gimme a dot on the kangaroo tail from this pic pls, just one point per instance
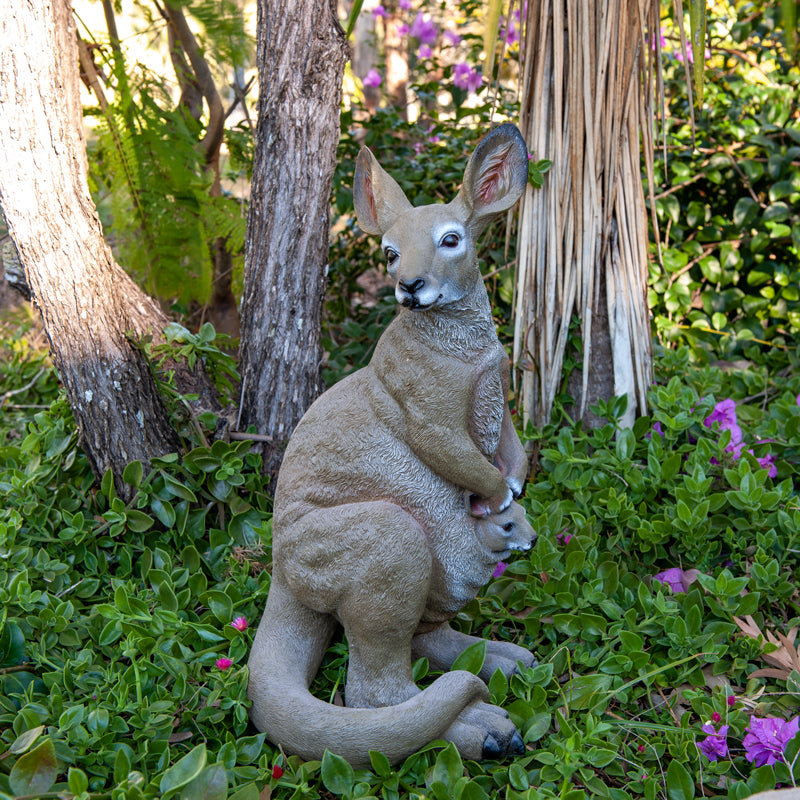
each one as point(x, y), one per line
point(286, 654)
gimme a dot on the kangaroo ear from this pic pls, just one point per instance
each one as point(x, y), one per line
point(496, 175)
point(378, 198)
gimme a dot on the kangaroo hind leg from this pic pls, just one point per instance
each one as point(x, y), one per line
point(368, 564)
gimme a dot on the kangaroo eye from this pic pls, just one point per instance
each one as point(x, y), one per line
point(391, 255)
point(451, 240)
point(508, 527)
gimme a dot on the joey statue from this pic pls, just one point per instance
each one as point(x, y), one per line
point(394, 501)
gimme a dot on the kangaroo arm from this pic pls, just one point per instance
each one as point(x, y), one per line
point(510, 456)
point(451, 453)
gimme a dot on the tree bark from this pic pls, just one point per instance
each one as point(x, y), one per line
point(87, 302)
point(301, 54)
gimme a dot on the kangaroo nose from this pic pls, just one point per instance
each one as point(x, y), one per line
point(412, 287)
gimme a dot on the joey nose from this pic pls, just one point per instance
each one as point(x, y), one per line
point(413, 287)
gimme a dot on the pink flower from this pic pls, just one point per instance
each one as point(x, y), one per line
point(466, 77)
point(223, 663)
point(240, 623)
point(424, 29)
point(715, 745)
point(731, 700)
point(662, 40)
point(277, 772)
point(563, 538)
point(405, 5)
point(641, 748)
point(767, 738)
point(716, 717)
point(499, 569)
point(677, 579)
point(424, 51)
point(453, 38)
point(372, 78)
point(379, 11)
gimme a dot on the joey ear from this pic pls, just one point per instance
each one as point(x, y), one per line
point(378, 198)
point(496, 175)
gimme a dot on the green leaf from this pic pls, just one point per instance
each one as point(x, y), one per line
point(35, 772)
point(680, 785)
point(448, 767)
point(470, 790)
point(210, 784)
point(380, 763)
point(354, 12)
point(25, 740)
point(132, 474)
point(220, 605)
point(472, 658)
point(337, 775)
point(185, 770)
point(77, 781)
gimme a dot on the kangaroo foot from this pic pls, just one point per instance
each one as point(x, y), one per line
point(504, 656)
point(484, 731)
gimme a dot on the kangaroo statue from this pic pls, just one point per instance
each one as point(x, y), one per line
point(394, 501)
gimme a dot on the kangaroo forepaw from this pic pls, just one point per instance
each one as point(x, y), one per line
point(484, 731)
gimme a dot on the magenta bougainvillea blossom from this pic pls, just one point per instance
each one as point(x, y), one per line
point(240, 623)
point(766, 739)
point(223, 663)
point(424, 29)
point(715, 745)
point(499, 569)
point(372, 78)
point(467, 77)
point(405, 5)
point(679, 580)
point(452, 37)
point(424, 51)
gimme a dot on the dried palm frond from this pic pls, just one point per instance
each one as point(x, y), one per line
point(785, 659)
point(589, 99)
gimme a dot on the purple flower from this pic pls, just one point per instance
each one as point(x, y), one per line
point(715, 745)
point(767, 462)
point(656, 425)
point(424, 51)
point(424, 29)
point(662, 40)
point(677, 579)
point(767, 738)
point(240, 623)
point(372, 78)
point(499, 569)
point(402, 30)
point(223, 663)
point(405, 5)
point(466, 77)
point(512, 33)
point(563, 538)
point(453, 38)
point(724, 413)
point(379, 11)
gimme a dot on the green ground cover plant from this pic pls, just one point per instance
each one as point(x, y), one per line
point(661, 600)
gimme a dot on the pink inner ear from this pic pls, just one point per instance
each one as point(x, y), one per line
point(494, 175)
point(367, 179)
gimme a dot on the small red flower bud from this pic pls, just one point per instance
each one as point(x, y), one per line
point(277, 772)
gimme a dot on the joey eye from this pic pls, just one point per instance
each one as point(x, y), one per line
point(451, 240)
point(508, 527)
point(391, 255)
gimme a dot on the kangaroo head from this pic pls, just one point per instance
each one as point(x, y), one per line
point(430, 250)
point(508, 530)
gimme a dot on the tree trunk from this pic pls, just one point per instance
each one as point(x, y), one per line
point(588, 105)
point(301, 53)
point(87, 302)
